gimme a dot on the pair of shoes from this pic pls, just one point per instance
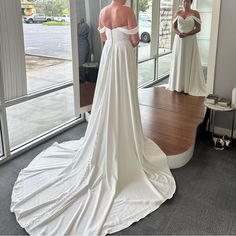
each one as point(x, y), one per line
point(222, 143)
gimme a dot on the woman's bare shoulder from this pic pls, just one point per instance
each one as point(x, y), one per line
point(127, 9)
point(196, 13)
point(179, 13)
point(102, 11)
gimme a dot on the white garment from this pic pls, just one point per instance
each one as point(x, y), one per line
point(110, 178)
point(186, 73)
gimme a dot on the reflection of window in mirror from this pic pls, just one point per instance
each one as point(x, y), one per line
point(105, 3)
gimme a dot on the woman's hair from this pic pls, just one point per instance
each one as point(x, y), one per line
point(191, 1)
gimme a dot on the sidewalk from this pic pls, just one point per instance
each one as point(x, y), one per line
point(31, 118)
point(43, 72)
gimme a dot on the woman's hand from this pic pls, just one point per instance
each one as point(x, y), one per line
point(183, 35)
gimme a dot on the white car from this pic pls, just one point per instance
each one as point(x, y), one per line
point(37, 18)
point(64, 18)
point(145, 17)
point(145, 28)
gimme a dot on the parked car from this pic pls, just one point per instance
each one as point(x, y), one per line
point(64, 18)
point(37, 18)
point(145, 28)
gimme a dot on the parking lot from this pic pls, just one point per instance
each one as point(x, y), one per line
point(49, 41)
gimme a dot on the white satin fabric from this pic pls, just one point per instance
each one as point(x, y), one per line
point(110, 178)
point(186, 73)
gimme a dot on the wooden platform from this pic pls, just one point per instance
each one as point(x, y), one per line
point(171, 119)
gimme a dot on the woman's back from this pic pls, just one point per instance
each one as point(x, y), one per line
point(117, 15)
point(114, 16)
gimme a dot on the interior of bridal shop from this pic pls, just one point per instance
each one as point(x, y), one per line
point(50, 54)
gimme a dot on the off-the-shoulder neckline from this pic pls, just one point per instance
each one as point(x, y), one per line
point(186, 16)
point(120, 27)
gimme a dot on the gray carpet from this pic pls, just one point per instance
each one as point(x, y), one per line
point(204, 203)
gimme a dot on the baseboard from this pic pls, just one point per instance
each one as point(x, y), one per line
point(222, 131)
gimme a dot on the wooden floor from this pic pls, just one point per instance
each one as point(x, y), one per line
point(170, 119)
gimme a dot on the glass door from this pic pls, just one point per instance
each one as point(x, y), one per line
point(165, 37)
point(146, 57)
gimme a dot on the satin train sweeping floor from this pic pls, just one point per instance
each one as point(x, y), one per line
point(204, 190)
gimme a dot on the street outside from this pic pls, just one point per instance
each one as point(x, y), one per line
point(50, 41)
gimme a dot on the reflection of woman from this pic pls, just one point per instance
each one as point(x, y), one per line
point(186, 74)
point(83, 42)
point(113, 176)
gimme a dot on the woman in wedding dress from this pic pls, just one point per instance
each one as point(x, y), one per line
point(186, 73)
point(112, 177)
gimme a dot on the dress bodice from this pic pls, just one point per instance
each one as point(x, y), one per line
point(187, 24)
point(118, 34)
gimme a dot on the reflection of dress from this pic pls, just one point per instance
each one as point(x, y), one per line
point(186, 74)
point(83, 43)
point(110, 178)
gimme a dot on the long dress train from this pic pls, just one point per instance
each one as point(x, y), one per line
point(186, 73)
point(112, 177)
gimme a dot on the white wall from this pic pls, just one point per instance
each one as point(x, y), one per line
point(225, 71)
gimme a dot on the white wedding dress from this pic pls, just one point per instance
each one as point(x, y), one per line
point(186, 73)
point(110, 178)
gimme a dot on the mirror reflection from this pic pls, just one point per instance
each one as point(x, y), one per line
point(89, 48)
point(156, 37)
point(156, 40)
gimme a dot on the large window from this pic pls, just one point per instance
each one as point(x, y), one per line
point(48, 63)
point(39, 74)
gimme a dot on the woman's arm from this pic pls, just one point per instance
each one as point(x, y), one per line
point(132, 23)
point(175, 25)
point(102, 35)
